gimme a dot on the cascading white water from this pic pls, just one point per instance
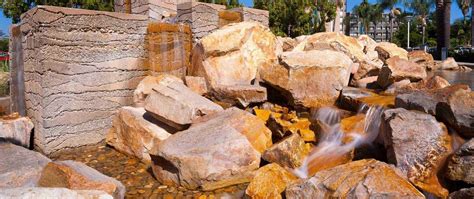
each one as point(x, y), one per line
point(331, 145)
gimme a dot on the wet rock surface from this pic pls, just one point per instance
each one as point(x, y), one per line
point(458, 112)
point(20, 167)
point(418, 145)
point(461, 164)
point(360, 179)
point(78, 176)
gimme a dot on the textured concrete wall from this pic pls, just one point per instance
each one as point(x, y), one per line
point(202, 17)
point(250, 14)
point(169, 48)
point(80, 66)
point(156, 10)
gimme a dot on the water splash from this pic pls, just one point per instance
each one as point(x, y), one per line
point(334, 143)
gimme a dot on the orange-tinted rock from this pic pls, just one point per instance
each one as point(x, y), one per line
point(434, 82)
point(309, 78)
point(289, 152)
point(146, 86)
point(269, 182)
point(135, 134)
point(360, 179)
point(423, 58)
point(388, 50)
point(232, 55)
point(418, 145)
point(218, 150)
point(397, 69)
point(78, 176)
point(240, 94)
point(355, 99)
point(196, 84)
point(287, 43)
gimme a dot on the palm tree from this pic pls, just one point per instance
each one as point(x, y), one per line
point(464, 7)
point(422, 9)
point(363, 12)
point(375, 16)
point(443, 13)
point(390, 4)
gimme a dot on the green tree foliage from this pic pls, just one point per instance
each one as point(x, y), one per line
point(3, 42)
point(460, 33)
point(363, 12)
point(298, 17)
point(14, 8)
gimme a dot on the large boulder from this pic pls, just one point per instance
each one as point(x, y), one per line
point(426, 100)
point(78, 176)
point(146, 86)
point(287, 43)
point(462, 193)
point(196, 84)
point(16, 130)
point(269, 182)
point(135, 133)
point(289, 152)
point(418, 145)
point(458, 112)
point(461, 164)
point(177, 105)
point(434, 82)
point(360, 179)
point(335, 42)
point(388, 50)
point(449, 64)
point(218, 150)
point(397, 69)
point(20, 167)
point(309, 78)
point(40, 192)
point(423, 58)
point(232, 56)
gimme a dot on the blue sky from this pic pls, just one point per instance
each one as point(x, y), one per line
point(455, 12)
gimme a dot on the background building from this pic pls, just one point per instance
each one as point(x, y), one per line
point(380, 33)
point(337, 25)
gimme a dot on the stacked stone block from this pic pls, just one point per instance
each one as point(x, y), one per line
point(79, 67)
point(156, 10)
point(202, 17)
point(169, 48)
point(250, 14)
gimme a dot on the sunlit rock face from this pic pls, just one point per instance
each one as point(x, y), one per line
point(309, 78)
point(360, 179)
point(218, 150)
point(397, 69)
point(269, 182)
point(388, 50)
point(458, 112)
point(423, 58)
point(177, 105)
point(145, 87)
point(418, 145)
point(232, 56)
point(135, 133)
point(78, 176)
point(461, 165)
point(20, 167)
point(16, 129)
point(41, 192)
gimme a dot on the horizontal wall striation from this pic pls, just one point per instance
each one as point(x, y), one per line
point(80, 66)
point(250, 14)
point(156, 10)
point(202, 17)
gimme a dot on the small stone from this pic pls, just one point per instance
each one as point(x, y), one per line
point(16, 130)
point(269, 182)
point(289, 152)
point(397, 69)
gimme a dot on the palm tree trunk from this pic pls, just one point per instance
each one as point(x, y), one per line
point(447, 23)
point(439, 22)
point(472, 23)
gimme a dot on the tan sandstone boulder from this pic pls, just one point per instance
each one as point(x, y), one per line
point(218, 150)
point(146, 86)
point(423, 58)
point(397, 69)
point(449, 64)
point(232, 56)
point(41, 192)
point(20, 167)
point(177, 105)
point(309, 78)
point(366, 178)
point(78, 176)
point(388, 50)
point(196, 84)
point(135, 133)
point(289, 152)
point(269, 182)
point(418, 145)
point(16, 130)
